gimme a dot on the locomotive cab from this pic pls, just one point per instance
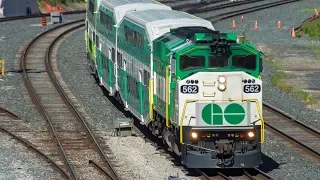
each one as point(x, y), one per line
point(217, 96)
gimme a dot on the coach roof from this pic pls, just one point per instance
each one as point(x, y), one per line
point(121, 7)
point(158, 21)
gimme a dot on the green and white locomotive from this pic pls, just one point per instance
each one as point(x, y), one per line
point(197, 88)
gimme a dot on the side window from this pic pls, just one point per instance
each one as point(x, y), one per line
point(146, 77)
point(113, 55)
point(94, 36)
point(110, 57)
point(119, 59)
point(134, 37)
point(173, 65)
point(244, 61)
point(105, 62)
point(106, 20)
point(91, 7)
point(124, 64)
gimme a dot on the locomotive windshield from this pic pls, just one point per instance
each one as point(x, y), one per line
point(218, 61)
point(244, 61)
point(191, 62)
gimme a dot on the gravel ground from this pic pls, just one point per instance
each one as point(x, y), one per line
point(14, 96)
point(283, 163)
point(18, 162)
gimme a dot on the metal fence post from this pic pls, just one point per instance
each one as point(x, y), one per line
point(2, 67)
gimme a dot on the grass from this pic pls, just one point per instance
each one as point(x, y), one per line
point(309, 10)
point(312, 29)
point(316, 50)
point(279, 79)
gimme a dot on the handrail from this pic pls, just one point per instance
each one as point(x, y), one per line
point(151, 99)
point(193, 100)
point(167, 96)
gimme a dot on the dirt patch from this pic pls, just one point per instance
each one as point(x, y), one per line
point(298, 71)
point(48, 8)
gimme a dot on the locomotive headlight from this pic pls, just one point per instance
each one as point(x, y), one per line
point(222, 79)
point(194, 135)
point(222, 87)
point(251, 134)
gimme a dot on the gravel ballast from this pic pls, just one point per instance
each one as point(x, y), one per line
point(14, 96)
point(18, 162)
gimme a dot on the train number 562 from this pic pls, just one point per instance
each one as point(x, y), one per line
point(252, 88)
point(190, 89)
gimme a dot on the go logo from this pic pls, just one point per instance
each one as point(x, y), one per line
point(212, 114)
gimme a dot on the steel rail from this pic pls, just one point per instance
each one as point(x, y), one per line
point(193, 5)
point(65, 97)
point(100, 169)
point(13, 18)
point(11, 114)
point(265, 175)
point(30, 146)
point(33, 93)
point(295, 123)
point(222, 6)
point(248, 10)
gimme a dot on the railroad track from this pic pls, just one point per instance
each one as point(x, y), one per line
point(222, 6)
point(225, 174)
point(5, 112)
point(249, 10)
point(38, 15)
point(189, 6)
point(301, 137)
point(77, 144)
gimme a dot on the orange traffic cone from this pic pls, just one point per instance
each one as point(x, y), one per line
point(234, 24)
point(256, 25)
point(316, 11)
point(279, 25)
point(241, 19)
point(44, 21)
point(293, 34)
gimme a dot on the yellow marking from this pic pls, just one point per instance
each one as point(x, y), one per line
point(209, 94)
point(259, 77)
point(2, 67)
point(192, 49)
point(151, 99)
point(192, 100)
point(209, 83)
point(167, 96)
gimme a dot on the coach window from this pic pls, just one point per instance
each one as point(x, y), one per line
point(218, 61)
point(113, 55)
point(119, 59)
point(146, 77)
point(91, 7)
point(244, 61)
point(106, 20)
point(191, 62)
